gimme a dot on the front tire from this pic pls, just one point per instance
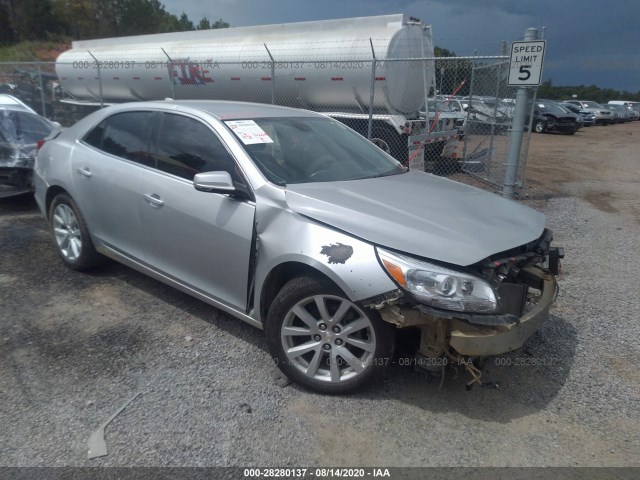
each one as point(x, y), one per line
point(323, 341)
point(539, 127)
point(71, 234)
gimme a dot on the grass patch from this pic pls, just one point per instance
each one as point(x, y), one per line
point(44, 50)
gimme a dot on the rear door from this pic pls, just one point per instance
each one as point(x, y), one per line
point(107, 174)
point(202, 239)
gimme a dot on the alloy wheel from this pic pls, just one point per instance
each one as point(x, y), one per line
point(67, 232)
point(328, 338)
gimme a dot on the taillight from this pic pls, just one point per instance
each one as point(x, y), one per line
point(39, 145)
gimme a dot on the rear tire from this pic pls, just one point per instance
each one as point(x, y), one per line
point(323, 341)
point(71, 234)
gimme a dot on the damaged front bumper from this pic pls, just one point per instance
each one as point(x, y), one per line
point(482, 340)
point(477, 335)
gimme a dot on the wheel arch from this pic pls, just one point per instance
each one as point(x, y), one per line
point(52, 192)
point(280, 275)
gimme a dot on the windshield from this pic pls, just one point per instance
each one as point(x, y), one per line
point(593, 105)
point(305, 150)
point(550, 107)
point(444, 107)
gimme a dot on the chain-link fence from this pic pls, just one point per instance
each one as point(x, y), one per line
point(443, 115)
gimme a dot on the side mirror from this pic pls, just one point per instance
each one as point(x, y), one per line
point(216, 182)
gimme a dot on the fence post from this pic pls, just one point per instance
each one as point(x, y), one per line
point(273, 76)
point(467, 128)
point(503, 52)
point(372, 90)
point(173, 86)
point(525, 156)
point(99, 78)
point(517, 131)
point(42, 103)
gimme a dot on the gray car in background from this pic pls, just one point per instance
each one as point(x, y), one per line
point(20, 130)
point(295, 224)
point(604, 115)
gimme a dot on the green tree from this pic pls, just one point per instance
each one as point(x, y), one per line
point(7, 28)
point(450, 74)
point(443, 52)
point(220, 24)
point(86, 19)
point(204, 24)
point(184, 23)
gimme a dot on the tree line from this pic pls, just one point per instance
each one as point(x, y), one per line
point(588, 92)
point(449, 74)
point(22, 20)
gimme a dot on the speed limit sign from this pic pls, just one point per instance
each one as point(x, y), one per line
point(525, 67)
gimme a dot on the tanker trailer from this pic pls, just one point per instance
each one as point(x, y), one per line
point(325, 66)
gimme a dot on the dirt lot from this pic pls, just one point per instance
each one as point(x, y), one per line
point(74, 347)
point(600, 165)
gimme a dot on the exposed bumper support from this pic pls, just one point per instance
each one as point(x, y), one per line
point(483, 340)
point(475, 340)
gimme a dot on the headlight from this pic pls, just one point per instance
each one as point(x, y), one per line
point(438, 286)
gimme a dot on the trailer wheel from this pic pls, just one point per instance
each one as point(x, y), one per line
point(390, 141)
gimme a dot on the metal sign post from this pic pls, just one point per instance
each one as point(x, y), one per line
point(525, 70)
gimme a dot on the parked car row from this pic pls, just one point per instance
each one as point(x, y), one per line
point(624, 114)
point(548, 115)
point(479, 110)
point(571, 115)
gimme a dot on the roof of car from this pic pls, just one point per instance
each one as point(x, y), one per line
point(224, 110)
point(12, 103)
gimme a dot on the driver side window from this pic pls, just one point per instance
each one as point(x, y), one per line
point(186, 147)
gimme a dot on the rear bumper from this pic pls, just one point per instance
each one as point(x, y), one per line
point(15, 181)
point(563, 127)
point(480, 340)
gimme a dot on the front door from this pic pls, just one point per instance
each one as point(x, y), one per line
point(202, 239)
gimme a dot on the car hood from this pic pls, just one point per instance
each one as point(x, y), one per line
point(420, 214)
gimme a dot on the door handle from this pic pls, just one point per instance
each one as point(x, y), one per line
point(85, 172)
point(154, 200)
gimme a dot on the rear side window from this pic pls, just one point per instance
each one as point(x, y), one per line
point(125, 135)
point(186, 147)
point(33, 128)
point(94, 138)
point(23, 127)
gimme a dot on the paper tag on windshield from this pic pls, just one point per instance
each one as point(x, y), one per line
point(248, 131)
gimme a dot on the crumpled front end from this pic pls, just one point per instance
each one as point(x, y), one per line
point(525, 287)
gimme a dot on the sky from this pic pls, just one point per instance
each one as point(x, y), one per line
point(588, 41)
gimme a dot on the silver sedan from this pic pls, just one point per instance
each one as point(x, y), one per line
point(292, 222)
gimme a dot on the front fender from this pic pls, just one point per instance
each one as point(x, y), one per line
point(349, 262)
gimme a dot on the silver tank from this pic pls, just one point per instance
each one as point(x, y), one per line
point(322, 65)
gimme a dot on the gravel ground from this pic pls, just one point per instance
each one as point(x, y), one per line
point(75, 347)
